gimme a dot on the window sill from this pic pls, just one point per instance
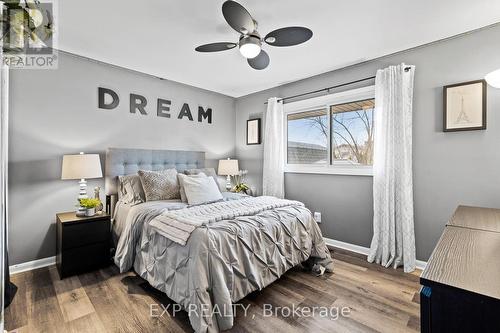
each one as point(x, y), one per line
point(330, 170)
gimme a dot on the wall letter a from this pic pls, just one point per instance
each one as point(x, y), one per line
point(185, 111)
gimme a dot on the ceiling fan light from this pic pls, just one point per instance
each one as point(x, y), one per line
point(493, 78)
point(250, 47)
point(250, 51)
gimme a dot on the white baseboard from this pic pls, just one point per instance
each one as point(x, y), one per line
point(362, 250)
point(30, 265)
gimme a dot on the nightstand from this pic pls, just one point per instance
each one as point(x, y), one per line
point(83, 243)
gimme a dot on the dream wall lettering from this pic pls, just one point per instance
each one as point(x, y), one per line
point(109, 100)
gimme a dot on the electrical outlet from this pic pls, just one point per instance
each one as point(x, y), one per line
point(317, 217)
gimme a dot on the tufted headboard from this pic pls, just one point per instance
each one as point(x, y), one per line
point(123, 161)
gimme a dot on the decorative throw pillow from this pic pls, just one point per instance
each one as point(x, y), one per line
point(130, 190)
point(181, 178)
point(160, 185)
point(201, 190)
point(210, 172)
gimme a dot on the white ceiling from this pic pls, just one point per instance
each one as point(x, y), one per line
point(158, 37)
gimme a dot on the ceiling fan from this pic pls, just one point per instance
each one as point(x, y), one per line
point(250, 42)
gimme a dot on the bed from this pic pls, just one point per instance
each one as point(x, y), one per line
point(222, 261)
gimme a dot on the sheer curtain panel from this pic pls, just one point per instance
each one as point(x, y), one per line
point(393, 242)
point(274, 160)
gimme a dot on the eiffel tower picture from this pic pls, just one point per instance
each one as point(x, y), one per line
point(464, 106)
point(462, 116)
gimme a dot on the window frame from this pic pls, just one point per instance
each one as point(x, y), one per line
point(325, 102)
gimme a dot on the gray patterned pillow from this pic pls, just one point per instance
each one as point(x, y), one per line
point(130, 190)
point(210, 172)
point(160, 185)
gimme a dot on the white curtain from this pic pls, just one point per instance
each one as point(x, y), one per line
point(4, 123)
point(273, 170)
point(393, 242)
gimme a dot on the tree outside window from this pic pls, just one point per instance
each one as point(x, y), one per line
point(351, 126)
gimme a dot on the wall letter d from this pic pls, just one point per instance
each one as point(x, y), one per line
point(115, 100)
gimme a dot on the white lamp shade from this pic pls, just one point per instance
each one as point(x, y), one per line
point(493, 78)
point(228, 167)
point(82, 166)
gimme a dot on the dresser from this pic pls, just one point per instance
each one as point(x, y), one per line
point(461, 282)
point(83, 243)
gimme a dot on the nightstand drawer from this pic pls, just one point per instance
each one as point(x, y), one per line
point(85, 258)
point(89, 232)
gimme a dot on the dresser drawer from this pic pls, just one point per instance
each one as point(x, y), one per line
point(80, 234)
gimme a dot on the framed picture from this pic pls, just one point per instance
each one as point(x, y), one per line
point(253, 132)
point(464, 106)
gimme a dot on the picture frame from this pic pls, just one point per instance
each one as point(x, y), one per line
point(254, 131)
point(464, 106)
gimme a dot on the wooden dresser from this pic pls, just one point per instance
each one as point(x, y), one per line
point(461, 282)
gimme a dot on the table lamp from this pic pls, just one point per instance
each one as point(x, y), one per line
point(228, 168)
point(81, 166)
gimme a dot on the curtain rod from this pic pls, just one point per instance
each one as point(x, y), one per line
point(332, 87)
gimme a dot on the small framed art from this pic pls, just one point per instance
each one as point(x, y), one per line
point(464, 106)
point(253, 132)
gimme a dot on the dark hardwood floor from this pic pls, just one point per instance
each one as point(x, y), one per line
point(379, 300)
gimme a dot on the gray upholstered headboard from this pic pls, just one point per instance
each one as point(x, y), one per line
point(123, 161)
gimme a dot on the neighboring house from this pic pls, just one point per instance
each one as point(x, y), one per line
point(310, 153)
point(306, 153)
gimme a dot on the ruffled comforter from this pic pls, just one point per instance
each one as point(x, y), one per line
point(223, 261)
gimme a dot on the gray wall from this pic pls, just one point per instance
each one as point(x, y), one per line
point(54, 112)
point(449, 168)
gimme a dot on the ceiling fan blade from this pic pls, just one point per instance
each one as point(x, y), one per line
point(215, 47)
point(238, 17)
point(259, 62)
point(288, 36)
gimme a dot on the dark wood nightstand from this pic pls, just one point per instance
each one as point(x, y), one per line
point(83, 243)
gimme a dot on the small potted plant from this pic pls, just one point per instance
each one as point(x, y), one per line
point(89, 204)
point(241, 186)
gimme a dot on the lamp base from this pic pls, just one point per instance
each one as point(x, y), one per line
point(228, 183)
point(81, 211)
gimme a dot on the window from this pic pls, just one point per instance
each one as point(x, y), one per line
point(352, 132)
point(307, 137)
point(331, 134)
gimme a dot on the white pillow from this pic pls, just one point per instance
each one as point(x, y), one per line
point(181, 178)
point(201, 190)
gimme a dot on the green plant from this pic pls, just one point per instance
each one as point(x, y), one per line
point(241, 187)
point(89, 203)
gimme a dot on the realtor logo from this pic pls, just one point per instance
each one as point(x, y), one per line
point(28, 34)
